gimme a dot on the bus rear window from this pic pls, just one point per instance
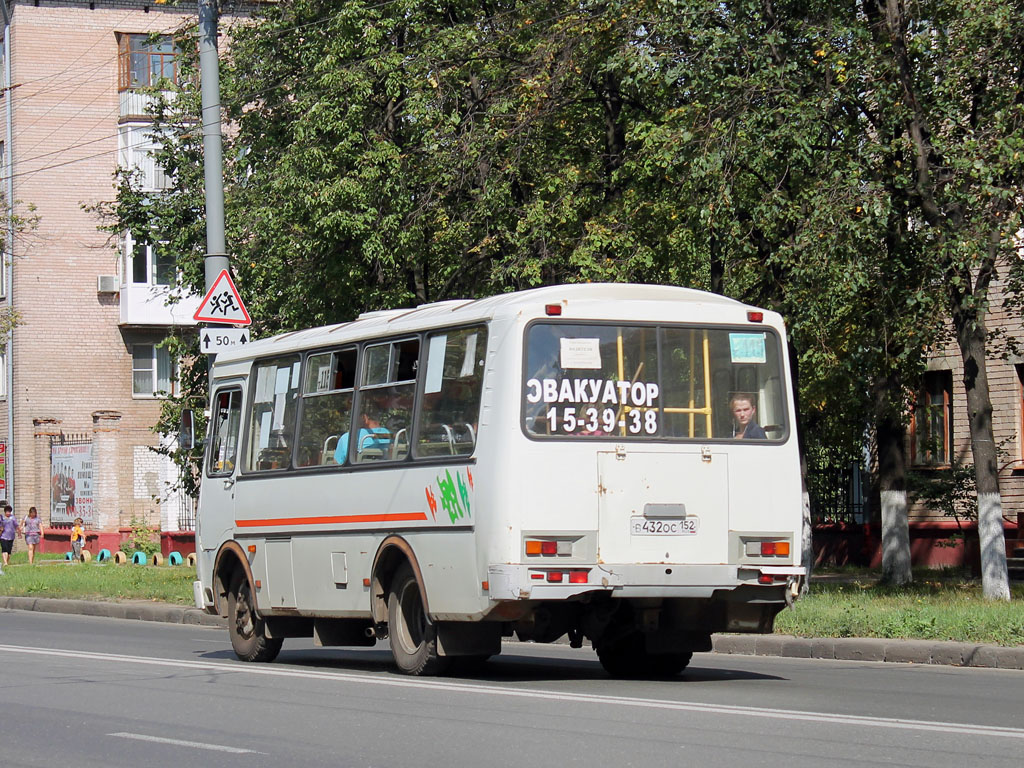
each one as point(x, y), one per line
point(653, 382)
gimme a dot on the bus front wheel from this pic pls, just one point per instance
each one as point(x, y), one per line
point(412, 635)
point(246, 629)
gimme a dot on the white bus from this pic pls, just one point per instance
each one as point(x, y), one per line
point(615, 463)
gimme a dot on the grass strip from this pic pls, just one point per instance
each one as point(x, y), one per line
point(940, 609)
point(98, 581)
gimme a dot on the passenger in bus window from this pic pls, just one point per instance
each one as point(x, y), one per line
point(744, 414)
point(372, 436)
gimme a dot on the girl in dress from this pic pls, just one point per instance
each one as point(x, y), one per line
point(32, 530)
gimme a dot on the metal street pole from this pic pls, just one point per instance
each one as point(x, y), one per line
point(209, 74)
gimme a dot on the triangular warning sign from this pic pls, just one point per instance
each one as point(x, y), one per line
point(222, 304)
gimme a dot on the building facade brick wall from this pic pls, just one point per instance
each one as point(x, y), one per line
point(71, 356)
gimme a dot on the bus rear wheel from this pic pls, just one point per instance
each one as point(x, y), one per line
point(412, 635)
point(627, 657)
point(246, 629)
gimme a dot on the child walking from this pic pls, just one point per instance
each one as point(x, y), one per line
point(32, 530)
point(8, 530)
point(77, 538)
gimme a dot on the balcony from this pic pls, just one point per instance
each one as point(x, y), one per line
point(146, 305)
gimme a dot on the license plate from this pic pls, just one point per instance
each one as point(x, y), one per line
point(683, 526)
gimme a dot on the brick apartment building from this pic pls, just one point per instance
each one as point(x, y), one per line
point(82, 372)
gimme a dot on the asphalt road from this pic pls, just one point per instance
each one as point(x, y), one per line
point(88, 691)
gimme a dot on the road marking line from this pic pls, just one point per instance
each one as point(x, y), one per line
point(180, 743)
point(534, 693)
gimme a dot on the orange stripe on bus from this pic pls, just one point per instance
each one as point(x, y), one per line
point(381, 518)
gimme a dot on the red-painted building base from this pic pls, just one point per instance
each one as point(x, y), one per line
point(932, 544)
point(59, 540)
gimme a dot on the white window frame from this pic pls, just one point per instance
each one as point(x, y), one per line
point(3, 375)
point(128, 278)
point(136, 144)
point(156, 352)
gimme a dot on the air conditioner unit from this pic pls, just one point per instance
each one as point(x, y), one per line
point(107, 284)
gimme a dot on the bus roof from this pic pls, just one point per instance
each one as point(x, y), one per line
point(590, 298)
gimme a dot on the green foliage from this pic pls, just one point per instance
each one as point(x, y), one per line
point(143, 539)
point(849, 170)
point(950, 491)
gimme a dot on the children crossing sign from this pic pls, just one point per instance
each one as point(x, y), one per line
point(222, 304)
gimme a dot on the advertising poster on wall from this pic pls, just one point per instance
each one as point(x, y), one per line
point(71, 483)
point(3, 470)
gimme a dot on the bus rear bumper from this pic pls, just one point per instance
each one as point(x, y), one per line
point(530, 582)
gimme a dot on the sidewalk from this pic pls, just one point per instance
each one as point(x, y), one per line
point(843, 648)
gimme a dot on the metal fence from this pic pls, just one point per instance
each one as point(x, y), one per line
point(839, 493)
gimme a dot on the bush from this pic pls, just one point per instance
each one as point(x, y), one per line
point(141, 540)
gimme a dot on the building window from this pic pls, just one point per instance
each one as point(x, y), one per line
point(137, 147)
point(1020, 410)
point(3, 174)
point(153, 373)
point(3, 375)
point(147, 263)
point(145, 61)
point(931, 427)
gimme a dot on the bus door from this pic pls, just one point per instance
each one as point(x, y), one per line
point(663, 507)
point(222, 456)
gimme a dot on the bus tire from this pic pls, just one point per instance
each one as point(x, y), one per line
point(246, 629)
point(413, 636)
point(627, 657)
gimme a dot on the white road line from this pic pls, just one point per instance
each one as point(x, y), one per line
point(180, 743)
point(532, 693)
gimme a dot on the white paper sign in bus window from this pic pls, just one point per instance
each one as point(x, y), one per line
point(747, 347)
point(580, 353)
point(435, 363)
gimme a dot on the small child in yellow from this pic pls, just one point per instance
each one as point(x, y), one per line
point(77, 538)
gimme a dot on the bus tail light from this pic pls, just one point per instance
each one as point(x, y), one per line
point(774, 548)
point(547, 547)
point(765, 578)
point(755, 317)
point(552, 310)
point(579, 577)
point(555, 576)
point(767, 548)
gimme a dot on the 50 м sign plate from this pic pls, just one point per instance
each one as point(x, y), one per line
point(214, 340)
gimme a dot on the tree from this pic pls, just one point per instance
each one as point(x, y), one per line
point(817, 158)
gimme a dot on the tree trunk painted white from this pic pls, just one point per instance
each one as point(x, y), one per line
point(892, 485)
point(895, 537)
point(994, 576)
point(806, 543)
point(969, 322)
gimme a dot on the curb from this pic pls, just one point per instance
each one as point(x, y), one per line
point(139, 610)
point(873, 649)
point(786, 646)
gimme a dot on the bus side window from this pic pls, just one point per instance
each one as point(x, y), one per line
point(326, 406)
point(272, 420)
point(447, 421)
point(386, 394)
point(227, 416)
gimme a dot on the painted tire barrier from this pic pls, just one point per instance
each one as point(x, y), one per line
point(191, 559)
point(174, 558)
point(69, 556)
point(138, 558)
point(86, 556)
point(120, 558)
point(158, 559)
point(102, 556)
